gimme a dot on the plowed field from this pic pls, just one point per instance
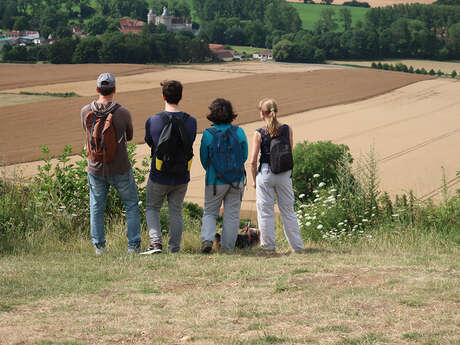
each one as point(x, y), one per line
point(56, 123)
point(14, 76)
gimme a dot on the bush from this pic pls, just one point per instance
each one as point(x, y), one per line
point(320, 158)
point(454, 74)
point(56, 202)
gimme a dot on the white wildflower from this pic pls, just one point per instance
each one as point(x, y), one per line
point(301, 195)
point(395, 215)
point(319, 227)
point(321, 184)
point(316, 175)
point(308, 223)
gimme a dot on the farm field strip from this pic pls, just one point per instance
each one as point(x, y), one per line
point(319, 88)
point(144, 81)
point(444, 66)
point(13, 76)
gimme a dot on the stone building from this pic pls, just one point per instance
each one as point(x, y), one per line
point(172, 23)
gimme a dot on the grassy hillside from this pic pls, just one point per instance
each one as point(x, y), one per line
point(309, 13)
point(329, 295)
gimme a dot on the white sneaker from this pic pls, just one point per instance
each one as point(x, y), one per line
point(155, 248)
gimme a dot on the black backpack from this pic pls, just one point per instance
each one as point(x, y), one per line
point(281, 158)
point(174, 152)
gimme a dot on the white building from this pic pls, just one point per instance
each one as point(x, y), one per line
point(172, 23)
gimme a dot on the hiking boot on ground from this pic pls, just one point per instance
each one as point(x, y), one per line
point(155, 248)
point(100, 250)
point(206, 247)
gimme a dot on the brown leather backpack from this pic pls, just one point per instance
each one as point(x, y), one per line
point(101, 139)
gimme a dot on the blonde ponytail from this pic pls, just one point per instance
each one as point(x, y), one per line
point(269, 108)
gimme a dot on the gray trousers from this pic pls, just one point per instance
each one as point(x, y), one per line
point(231, 198)
point(156, 194)
point(267, 186)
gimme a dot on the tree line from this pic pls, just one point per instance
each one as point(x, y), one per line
point(93, 16)
point(154, 44)
point(403, 31)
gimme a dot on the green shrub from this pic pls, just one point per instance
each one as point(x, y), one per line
point(431, 72)
point(401, 67)
point(320, 158)
point(454, 74)
point(411, 69)
point(57, 200)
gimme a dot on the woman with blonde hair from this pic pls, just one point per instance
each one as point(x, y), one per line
point(273, 177)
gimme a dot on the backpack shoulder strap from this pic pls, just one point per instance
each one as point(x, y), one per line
point(115, 108)
point(165, 117)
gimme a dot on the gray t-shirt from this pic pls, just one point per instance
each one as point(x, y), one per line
point(124, 131)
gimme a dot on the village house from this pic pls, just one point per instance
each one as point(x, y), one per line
point(20, 37)
point(263, 55)
point(222, 53)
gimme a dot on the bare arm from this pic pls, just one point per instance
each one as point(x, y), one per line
point(254, 154)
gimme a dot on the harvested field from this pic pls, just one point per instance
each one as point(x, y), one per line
point(444, 66)
point(57, 122)
point(185, 73)
point(14, 76)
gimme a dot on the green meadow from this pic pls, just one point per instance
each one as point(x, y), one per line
point(310, 13)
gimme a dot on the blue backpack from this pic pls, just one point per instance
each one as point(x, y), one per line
point(226, 156)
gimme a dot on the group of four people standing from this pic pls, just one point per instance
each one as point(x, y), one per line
point(103, 113)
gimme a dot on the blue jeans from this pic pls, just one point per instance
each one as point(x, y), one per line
point(127, 190)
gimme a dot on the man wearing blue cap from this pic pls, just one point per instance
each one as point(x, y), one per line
point(108, 127)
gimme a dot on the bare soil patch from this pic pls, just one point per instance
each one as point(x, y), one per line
point(56, 123)
point(14, 76)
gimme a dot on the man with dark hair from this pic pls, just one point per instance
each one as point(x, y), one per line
point(108, 126)
point(170, 171)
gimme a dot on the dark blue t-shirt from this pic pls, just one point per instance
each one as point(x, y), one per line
point(153, 127)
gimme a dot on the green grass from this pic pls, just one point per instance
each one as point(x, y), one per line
point(332, 294)
point(246, 49)
point(310, 13)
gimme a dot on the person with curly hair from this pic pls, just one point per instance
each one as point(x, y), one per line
point(223, 152)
